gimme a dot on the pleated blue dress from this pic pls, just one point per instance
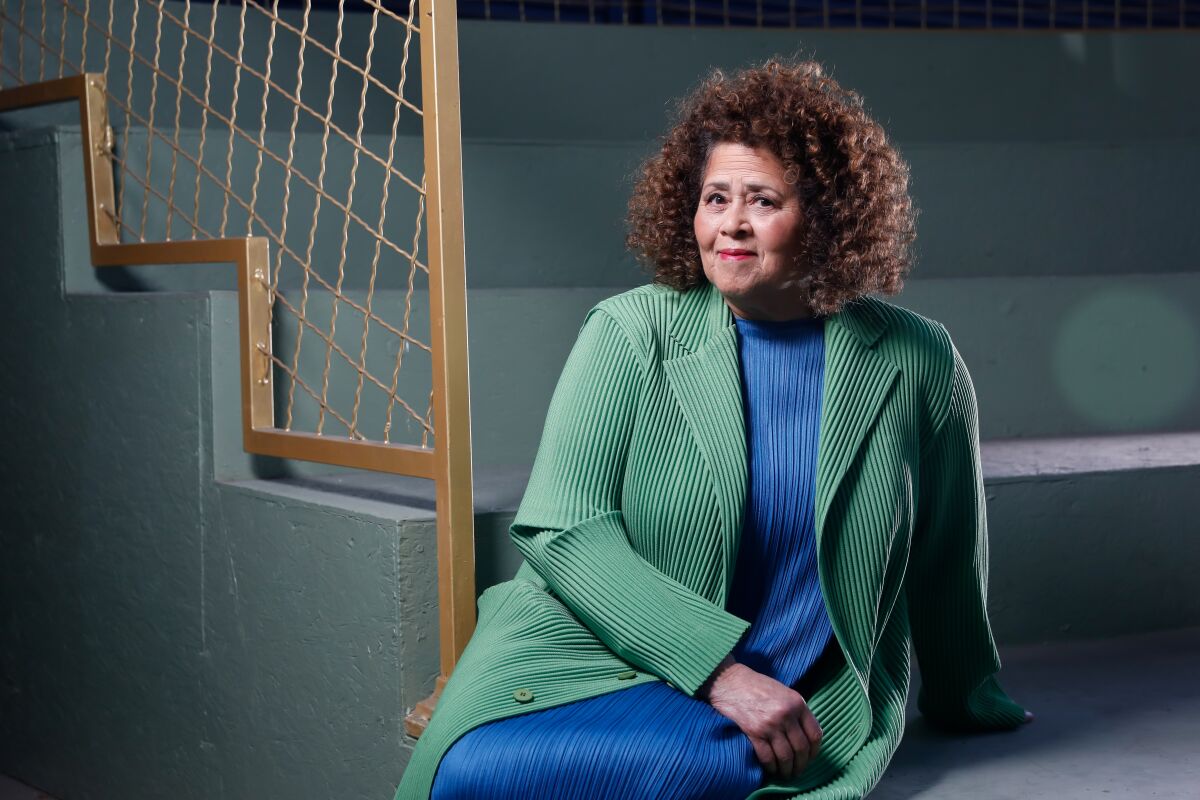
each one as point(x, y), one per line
point(653, 742)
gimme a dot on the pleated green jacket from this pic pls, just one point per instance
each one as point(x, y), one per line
point(630, 523)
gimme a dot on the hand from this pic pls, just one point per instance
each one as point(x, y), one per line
point(774, 717)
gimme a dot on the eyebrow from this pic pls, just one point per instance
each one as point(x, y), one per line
point(753, 187)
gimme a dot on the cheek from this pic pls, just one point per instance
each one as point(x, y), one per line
point(781, 240)
point(698, 228)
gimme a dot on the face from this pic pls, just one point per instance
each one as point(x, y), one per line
point(749, 226)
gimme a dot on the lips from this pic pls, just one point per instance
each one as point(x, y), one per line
point(735, 254)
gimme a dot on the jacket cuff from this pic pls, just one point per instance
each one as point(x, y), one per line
point(643, 616)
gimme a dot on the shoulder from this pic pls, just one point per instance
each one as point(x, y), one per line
point(906, 329)
point(639, 305)
point(641, 313)
point(921, 347)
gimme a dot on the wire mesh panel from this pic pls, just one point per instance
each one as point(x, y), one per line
point(299, 124)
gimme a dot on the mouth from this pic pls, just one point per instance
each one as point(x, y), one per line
point(735, 254)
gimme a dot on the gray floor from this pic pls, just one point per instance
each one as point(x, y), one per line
point(12, 790)
point(1118, 718)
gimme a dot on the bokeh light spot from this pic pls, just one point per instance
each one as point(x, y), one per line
point(1127, 359)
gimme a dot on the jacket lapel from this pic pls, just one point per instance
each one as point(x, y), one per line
point(706, 380)
point(857, 381)
point(707, 383)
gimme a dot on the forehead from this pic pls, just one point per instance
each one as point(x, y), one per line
point(731, 162)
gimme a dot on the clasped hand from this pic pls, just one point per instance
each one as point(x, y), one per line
point(776, 719)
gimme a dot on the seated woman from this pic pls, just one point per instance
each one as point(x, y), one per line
point(757, 485)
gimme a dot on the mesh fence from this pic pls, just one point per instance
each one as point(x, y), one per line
point(296, 123)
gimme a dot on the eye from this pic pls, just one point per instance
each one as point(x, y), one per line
point(762, 201)
point(714, 197)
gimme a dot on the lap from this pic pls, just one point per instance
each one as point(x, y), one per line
point(648, 741)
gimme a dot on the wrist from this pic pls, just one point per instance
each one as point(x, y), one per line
point(705, 690)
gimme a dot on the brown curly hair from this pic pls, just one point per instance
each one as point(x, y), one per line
point(852, 184)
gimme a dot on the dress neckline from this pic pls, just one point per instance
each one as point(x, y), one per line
point(774, 329)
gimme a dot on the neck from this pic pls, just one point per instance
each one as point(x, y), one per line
point(783, 313)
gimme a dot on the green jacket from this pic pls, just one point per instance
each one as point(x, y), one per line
point(630, 525)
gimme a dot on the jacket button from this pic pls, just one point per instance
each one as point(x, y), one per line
point(627, 675)
point(522, 695)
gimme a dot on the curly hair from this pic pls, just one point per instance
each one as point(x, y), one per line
point(852, 183)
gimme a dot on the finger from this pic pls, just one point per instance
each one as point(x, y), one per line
point(812, 729)
point(800, 744)
point(784, 756)
point(765, 755)
point(1029, 716)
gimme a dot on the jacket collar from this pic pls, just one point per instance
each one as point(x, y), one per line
point(706, 380)
point(702, 314)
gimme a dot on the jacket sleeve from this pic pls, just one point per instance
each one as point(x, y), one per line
point(571, 531)
point(948, 573)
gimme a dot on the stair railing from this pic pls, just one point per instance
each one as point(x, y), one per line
point(183, 78)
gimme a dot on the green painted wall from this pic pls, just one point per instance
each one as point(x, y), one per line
point(177, 617)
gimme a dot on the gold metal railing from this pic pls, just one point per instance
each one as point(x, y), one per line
point(219, 132)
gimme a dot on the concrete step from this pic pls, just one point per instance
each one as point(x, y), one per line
point(250, 643)
point(1092, 537)
point(1073, 523)
point(1019, 459)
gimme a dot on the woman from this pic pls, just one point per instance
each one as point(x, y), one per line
point(756, 487)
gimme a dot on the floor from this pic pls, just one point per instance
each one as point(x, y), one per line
point(1118, 718)
point(12, 790)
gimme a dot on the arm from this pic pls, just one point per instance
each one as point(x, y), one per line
point(947, 581)
point(570, 529)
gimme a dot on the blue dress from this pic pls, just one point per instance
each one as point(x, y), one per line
point(653, 741)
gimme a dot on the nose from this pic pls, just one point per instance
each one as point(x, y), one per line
point(735, 223)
